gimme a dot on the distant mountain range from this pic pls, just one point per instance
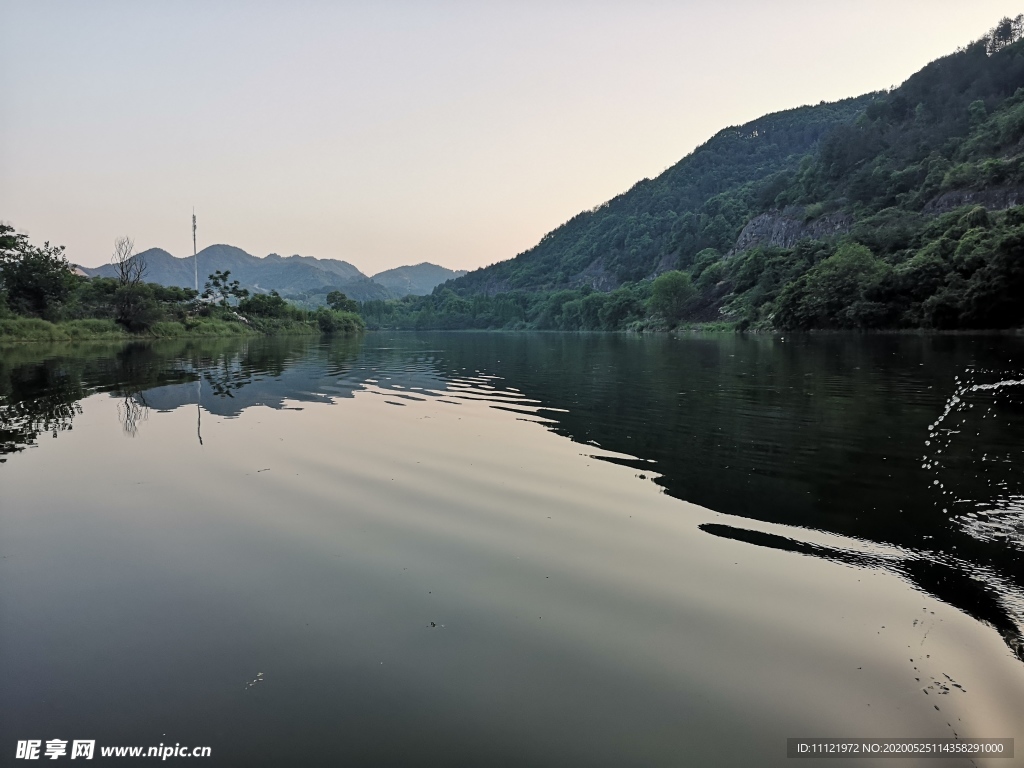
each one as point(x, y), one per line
point(417, 280)
point(301, 278)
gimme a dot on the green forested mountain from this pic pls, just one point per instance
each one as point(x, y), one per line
point(896, 209)
point(700, 202)
point(927, 183)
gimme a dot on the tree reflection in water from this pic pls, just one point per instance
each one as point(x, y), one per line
point(21, 422)
point(131, 410)
point(35, 399)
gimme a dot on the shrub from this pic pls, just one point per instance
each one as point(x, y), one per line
point(840, 292)
point(264, 305)
point(671, 294)
point(330, 321)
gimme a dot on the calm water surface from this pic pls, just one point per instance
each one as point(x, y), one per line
point(490, 549)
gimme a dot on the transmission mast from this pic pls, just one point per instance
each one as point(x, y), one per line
point(199, 378)
point(195, 255)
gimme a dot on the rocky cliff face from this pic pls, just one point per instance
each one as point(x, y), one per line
point(596, 275)
point(994, 199)
point(784, 229)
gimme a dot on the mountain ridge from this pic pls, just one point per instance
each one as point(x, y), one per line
point(300, 278)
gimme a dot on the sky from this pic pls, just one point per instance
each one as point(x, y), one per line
point(397, 132)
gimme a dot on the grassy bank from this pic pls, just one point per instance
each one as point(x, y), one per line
point(26, 329)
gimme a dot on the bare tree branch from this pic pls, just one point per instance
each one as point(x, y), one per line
point(130, 267)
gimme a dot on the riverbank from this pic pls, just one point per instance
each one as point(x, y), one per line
point(23, 329)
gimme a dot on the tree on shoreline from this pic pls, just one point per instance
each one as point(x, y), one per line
point(36, 281)
point(221, 289)
point(134, 306)
point(130, 267)
point(339, 302)
point(671, 294)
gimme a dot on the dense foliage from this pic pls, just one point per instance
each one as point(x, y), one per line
point(35, 281)
point(653, 304)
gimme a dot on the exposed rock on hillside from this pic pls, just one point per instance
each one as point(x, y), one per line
point(995, 199)
point(784, 229)
point(596, 275)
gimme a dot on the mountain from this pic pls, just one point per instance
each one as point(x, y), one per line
point(417, 280)
point(896, 209)
point(161, 267)
point(664, 220)
point(301, 278)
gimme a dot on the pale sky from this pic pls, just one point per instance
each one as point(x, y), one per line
point(391, 133)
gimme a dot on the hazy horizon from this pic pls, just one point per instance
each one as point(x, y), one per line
point(451, 133)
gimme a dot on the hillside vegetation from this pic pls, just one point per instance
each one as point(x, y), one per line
point(898, 209)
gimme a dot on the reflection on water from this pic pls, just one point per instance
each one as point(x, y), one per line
point(895, 455)
point(37, 398)
point(817, 433)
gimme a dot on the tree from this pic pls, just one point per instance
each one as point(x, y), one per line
point(1006, 32)
point(976, 112)
point(840, 292)
point(222, 289)
point(37, 281)
point(621, 307)
point(130, 268)
point(264, 305)
point(340, 302)
point(11, 242)
point(134, 305)
point(330, 322)
point(671, 294)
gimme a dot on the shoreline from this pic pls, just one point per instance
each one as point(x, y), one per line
point(16, 331)
point(715, 329)
point(35, 331)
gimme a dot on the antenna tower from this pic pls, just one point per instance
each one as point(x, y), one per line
point(195, 256)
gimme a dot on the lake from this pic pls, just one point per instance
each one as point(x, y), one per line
point(512, 549)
